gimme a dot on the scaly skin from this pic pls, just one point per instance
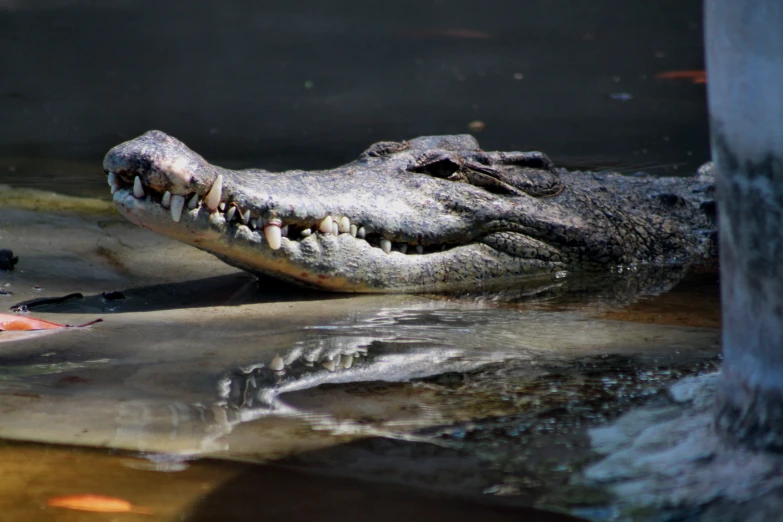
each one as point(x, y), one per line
point(454, 216)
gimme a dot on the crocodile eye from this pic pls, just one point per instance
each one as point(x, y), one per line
point(438, 164)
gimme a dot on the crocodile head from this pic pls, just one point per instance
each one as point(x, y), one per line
point(429, 214)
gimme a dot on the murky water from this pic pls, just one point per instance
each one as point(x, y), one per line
point(459, 407)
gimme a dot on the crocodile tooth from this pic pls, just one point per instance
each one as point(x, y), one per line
point(165, 202)
point(335, 229)
point(404, 248)
point(138, 190)
point(361, 233)
point(277, 364)
point(329, 365)
point(347, 361)
point(273, 234)
point(253, 223)
point(306, 232)
point(230, 213)
point(284, 231)
point(112, 181)
point(385, 245)
point(419, 249)
point(326, 225)
point(222, 207)
point(246, 217)
point(308, 363)
point(193, 202)
point(212, 199)
point(345, 225)
point(354, 229)
point(177, 204)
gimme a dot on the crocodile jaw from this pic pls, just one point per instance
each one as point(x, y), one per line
point(372, 226)
point(340, 263)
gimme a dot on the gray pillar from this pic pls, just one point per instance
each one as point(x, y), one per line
point(744, 41)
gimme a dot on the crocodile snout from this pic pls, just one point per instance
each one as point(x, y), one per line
point(161, 162)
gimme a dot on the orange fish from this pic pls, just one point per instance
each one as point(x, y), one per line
point(96, 503)
point(696, 76)
point(21, 322)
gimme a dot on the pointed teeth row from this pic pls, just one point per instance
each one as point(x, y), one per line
point(331, 362)
point(274, 230)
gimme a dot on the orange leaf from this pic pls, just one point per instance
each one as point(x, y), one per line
point(96, 503)
point(696, 76)
point(21, 322)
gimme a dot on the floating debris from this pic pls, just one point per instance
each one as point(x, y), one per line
point(97, 504)
point(26, 305)
point(477, 126)
point(9, 322)
point(621, 96)
point(695, 76)
point(7, 259)
point(113, 296)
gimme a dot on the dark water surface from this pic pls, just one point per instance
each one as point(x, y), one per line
point(309, 85)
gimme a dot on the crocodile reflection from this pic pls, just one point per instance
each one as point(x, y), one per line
point(394, 345)
point(324, 378)
point(255, 389)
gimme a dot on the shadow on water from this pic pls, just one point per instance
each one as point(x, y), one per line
point(279, 493)
point(226, 290)
point(210, 490)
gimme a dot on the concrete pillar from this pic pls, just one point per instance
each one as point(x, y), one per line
point(744, 41)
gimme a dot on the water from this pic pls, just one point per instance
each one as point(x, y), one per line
point(170, 402)
point(474, 395)
point(311, 85)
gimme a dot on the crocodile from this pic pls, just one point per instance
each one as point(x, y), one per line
point(430, 214)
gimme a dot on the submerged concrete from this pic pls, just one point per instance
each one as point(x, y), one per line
point(668, 462)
